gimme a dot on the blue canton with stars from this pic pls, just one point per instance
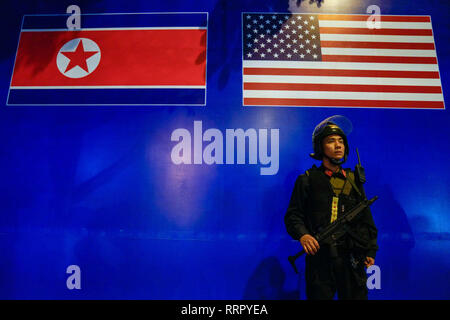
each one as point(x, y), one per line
point(281, 37)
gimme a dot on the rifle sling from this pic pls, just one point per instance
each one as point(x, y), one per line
point(355, 187)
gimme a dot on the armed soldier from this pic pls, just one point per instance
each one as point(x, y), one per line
point(320, 196)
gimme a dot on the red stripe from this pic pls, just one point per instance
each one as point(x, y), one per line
point(128, 57)
point(343, 103)
point(392, 32)
point(377, 45)
point(381, 59)
point(340, 87)
point(342, 73)
point(350, 17)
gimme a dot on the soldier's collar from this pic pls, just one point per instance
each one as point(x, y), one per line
point(330, 173)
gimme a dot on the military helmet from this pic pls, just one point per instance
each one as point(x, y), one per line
point(339, 125)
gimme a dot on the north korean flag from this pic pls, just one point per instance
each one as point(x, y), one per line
point(114, 59)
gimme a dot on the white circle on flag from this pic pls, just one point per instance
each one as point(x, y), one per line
point(78, 58)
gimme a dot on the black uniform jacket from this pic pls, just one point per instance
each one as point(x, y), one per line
point(310, 209)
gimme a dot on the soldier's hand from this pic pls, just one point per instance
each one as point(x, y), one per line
point(369, 261)
point(309, 244)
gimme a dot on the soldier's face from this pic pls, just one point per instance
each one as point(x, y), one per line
point(333, 146)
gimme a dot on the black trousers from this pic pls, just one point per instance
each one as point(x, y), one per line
point(330, 272)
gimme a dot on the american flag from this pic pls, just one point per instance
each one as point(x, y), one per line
point(335, 60)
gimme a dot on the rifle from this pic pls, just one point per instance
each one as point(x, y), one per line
point(333, 231)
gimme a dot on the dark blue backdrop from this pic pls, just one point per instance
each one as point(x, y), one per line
point(95, 186)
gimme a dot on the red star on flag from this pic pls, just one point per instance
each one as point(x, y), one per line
point(78, 57)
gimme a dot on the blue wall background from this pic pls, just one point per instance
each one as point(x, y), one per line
point(96, 187)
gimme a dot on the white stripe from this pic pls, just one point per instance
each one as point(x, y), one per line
point(375, 38)
point(108, 87)
point(342, 80)
point(283, 94)
point(339, 65)
point(380, 52)
point(383, 24)
point(114, 29)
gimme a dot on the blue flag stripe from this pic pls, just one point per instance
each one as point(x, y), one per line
point(107, 97)
point(108, 20)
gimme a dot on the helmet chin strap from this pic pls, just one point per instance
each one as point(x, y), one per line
point(336, 161)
